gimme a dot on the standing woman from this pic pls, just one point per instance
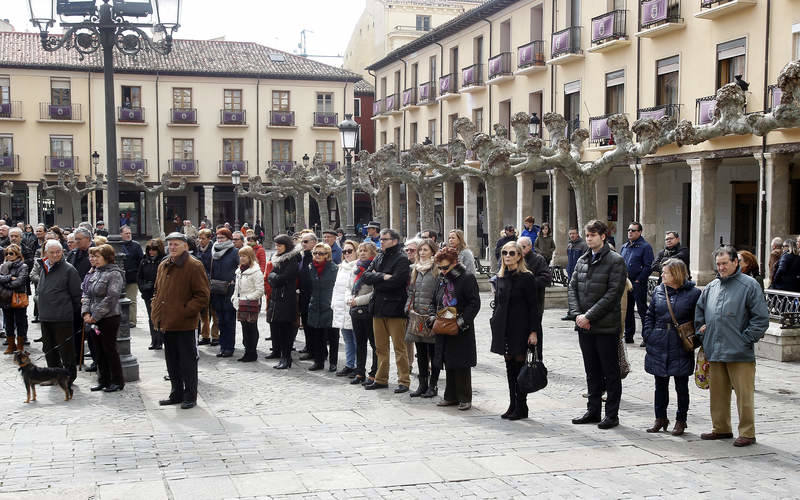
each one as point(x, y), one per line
point(146, 282)
point(342, 292)
point(246, 300)
point(516, 322)
point(749, 266)
point(457, 353)
point(788, 269)
point(544, 245)
point(280, 287)
point(455, 239)
point(224, 261)
point(14, 279)
point(422, 286)
point(359, 313)
point(103, 287)
point(666, 356)
point(321, 274)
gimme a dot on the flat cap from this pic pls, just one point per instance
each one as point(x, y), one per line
point(177, 236)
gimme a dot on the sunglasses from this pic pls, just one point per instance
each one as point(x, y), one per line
point(348, 251)
point(306, 241)
point(411, 250)
point(633, 230)
point(319, 253)
point(512, 253)
point(443, 268)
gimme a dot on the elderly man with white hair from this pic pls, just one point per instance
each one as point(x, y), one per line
point(4, 240)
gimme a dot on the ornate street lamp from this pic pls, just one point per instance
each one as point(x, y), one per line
point(535, 125)
point(95, 160)
point(89, 28)
point(236, 180)
point(305, 160)
point(349, 132)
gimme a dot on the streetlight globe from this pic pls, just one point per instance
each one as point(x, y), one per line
point(236, 177)
point(305, 160)
point(348, 129)
point(95, 159)
point(533, 126)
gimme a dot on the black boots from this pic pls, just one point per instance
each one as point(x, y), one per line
point(518, 402)
point(250, 341)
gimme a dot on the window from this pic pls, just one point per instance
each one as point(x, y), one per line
point(60, 93)
point(231, 149)
point(477, 119)
point(131, 97)
point(432, 69)
point(414, 75)
point(412, 132)
point(454, 60)
point(280, 100)
point(383, 138)
point(615, 92)
point(6, 146)
point(432, 131)
point(574, 12)
point(131, 148)
point(477, 50)
point(181, 98)
point(397, 139)
point(232, 100)
point(504, 114)
point(667, 79)
point(730, 61)
point(357, 107)
point(795, 41)
point(324, 102)
point(616, 5)
point(572, 105)
point(383, 87)
point(5, 90)
point(183, 149)
point(281, 150)
point(326, 150)
point(505, 36)
point(537, 19)
point(423, 23)
point(60, 146)
point(451, 126)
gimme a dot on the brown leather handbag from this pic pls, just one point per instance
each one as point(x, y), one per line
point(685, 330)
point(446, 322)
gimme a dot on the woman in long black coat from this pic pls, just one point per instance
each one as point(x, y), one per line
point(146, 280)
point(666, 356)
point(515, 322)
point(457, 353)
point(280, 288)
point(788, 269)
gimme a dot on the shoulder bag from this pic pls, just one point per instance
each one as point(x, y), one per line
point(446, 322)
point(219, 287)
point(19, 300)
point(701, 369)
point(533, 375)
point(685, 330)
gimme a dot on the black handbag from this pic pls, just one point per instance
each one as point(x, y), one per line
point(220, 287)
point(533, 375)
point(359, 312)
point(146, 286)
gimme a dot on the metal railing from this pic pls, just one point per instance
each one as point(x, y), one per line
point(282, 165)
point(183, 115)
point(705, 109)
point(566, 41)
point(655, 12)
point(326, 119)
point(609, 26)
point(183, 167)
point(409, 97)
point(472, 76)
point(775, 94)
point(9, 164)
point(599, 133)
point(130, 114)
point(500, 65)
point(227, 167)
point(232, 117)
point(129, 166)
point(427, 93)
point(572, 126)
point(448, 84)
point(656, 112)
point(56, 164)
point(11, 109)
point(377, 107)
point(559, 275)
point(707, 4)
point(48, 111)
point(530, 54)
point(391, 103)
point(281, 118)
point(783, 307)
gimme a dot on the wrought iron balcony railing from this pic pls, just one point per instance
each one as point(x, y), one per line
point(232, 117)
point(599, 133)
point(281, 118)
point(391, 103)
point(530, 54)
point(183, 116)
point(129, 166)
point(226, 167)
point(655, 12)
point(472, 76)
point(130, 114)
point(184, 167)
point(12, 109)
point(56, 164)
point(609, 26)
point(656, 112)
point(48, 111)
point(409, 97)
point(448, 84)
point(9, 164)
point(427, 93)
point(500, 65)
point(377, 107)
point(775, 94)
point(566, 41)
point(326, 119)
point(705, 108)
point(282, 165)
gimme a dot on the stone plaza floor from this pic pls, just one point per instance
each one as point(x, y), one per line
point(261, 433)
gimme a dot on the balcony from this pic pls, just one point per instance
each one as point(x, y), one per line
point(566, 46)
point(130, 115)
point(657, 112)
point(599, 133)
point(572, 126)
point(472, 78)
point(409, 100)
point(448, 87)
point(658, 17)
point(530, 58)
point(282, 165)
point(59, 112)
point(609, 31)
point(182, 117)
point(775, 94)
point(500, 68)
point(391, 104)
point(326, 120)
point(427, 93)
point(55, 164)
point(11, 111)
point(705, 107)
point(9, 164)
point(129, 166)
point(332, 165)
point(232, 118)
point(226, 167)
point(281, 119)
point(712, 9)
point(377, 109)
point(184, 167)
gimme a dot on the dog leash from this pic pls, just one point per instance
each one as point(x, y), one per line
point(56, 347)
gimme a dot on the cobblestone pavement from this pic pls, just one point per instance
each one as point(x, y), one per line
point(260, 433)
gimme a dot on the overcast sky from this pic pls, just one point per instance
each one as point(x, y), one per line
point(275, 23)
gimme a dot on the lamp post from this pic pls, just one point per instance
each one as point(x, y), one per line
point(305, 160)
point(93, 195)
point(535, 125)
point(349, 132)
point(236, 180)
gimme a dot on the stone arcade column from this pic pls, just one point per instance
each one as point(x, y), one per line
point(560, 217)
point(471, 187)
point(394, 208)
point(412, 216)
point(648, 204)
point(778, 194)
point(208, 204)
point(703, 240)
point(525, 182)
point(448, 207)
point(33, 203)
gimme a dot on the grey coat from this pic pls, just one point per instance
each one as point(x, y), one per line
point(420, 299)
point(102, 290)
point(60, 289)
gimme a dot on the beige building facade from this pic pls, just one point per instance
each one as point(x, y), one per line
point(587, 60)
point(204, 110)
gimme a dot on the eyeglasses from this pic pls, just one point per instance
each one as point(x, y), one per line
point(306, 241)
point(512, 253)
point(348, 251)
point(410, 250)
point(319, 253)
point(386, 239)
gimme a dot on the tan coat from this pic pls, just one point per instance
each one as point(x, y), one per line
point(623, 301)
point(181, 292)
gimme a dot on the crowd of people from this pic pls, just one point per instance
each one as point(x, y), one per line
point(418, 297)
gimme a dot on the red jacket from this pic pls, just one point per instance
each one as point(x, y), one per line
point(261, 255)
point(267, 288)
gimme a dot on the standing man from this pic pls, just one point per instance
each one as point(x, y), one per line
point(189, 230)
point(208, 335)
point(672, 249)
point(60, 288)
point(530, 229)
point(238, 240)
point(595, 291)
point(4, 240)
point(429, 234)
point(78, 257)
point(638, 255)
point(329, 237)
point(307, 242)
point(509, 234)
point(100, 229)
point(731, 316)
point(181, 292)
point(388, 274)
point(575, 248)
point(373, 233)
point(133, 256)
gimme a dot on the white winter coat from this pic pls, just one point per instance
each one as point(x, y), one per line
point(342, 292)
point(249, 285)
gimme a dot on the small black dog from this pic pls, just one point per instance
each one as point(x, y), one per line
point(32, 375)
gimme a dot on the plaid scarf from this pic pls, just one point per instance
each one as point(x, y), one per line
point(360, 267)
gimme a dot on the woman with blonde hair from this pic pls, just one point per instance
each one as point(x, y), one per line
point(342, 291)
point(515, 323)
point(455, 239)
point(246, 299)
point(359, 314)
point(14, 279)
point(321, 273)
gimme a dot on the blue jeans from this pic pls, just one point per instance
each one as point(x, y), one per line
point(349, 347)
point(226, 316)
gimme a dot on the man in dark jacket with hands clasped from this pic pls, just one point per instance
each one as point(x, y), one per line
point(638, 255)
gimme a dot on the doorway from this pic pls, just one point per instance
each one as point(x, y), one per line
point(174, 213)
point(745, 208)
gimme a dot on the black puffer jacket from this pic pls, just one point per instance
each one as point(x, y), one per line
point(389, 296)
point(516, 313)
point(458, 351)
point(146, 277)
point(596, 288)
point(282, 305)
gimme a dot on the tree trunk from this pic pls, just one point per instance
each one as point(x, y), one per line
point(266, 222)
point(300, 221)
point(151, 213)
point(75, 198)
point(493, 217)
point(427, 206)
point(380, 206)
point(324, 212)
point(585, 199)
